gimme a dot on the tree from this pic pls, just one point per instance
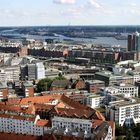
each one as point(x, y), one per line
point(120, 130)
point(119, 138)
point(60, 74)
point(44, 84)
point(129, 135)
point(60, 77)
point(136, 130)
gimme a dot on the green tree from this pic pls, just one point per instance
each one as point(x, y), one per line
point(60, 77)
point(129, 135)
point(44, 84)
point(136, 130)
point(119, 138)
point(121, 130)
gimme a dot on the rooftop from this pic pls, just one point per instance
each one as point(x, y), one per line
point(95, 81)
point(126, 102)
point(75, 113)
point(96, 96)
point(73, 120)
point(42, 123)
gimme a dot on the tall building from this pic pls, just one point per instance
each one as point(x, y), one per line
point(134, 44)
point(130, 42)
point(23, 72)
point(137, 41)
point(40, 71)
point(32, 71)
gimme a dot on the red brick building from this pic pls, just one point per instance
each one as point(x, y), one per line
point(79, 84)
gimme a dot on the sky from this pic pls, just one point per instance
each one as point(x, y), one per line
point(69, 12)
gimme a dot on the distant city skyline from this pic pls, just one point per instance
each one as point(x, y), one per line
point(69, 12)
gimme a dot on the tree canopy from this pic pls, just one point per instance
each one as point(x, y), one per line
point(127, 132)
point(44, 84)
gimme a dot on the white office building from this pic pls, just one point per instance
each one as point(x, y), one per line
point(95, 101)
point(124, 112)
point(10, 73)
point(36, 71)
point(127, 90)
point(40, 71)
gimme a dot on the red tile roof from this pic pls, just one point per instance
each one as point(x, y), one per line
point(100, 116)
point(61, 137)
point(16, 108)
point(43, 123)
point(74, 112)
point(39, 99)
point(42, 107)
point(13, 136)
point(96, 123)
point(12, 108)
point(73, 104)
point(61, 98)
point(17, 117)
point(13, 101)
point(63, 102)
point(61, 105)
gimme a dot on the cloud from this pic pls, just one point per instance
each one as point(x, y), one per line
point(9, 13)
point(95, 4)
point(64, 1)
point(74, 13)
point(133, 4)
point(132, 8)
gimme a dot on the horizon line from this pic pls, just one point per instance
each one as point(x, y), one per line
point(107, 25)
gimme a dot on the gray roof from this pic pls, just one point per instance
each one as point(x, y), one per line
point(61, 83)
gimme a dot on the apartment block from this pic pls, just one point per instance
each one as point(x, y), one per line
point(10, 73)
point(87, 128)
point(95, 101)
point(110, 78)
point(127, 90)
point(22, 125)
point(93, 86)
point(32, 71)
point(71, 123)
point(124, 112)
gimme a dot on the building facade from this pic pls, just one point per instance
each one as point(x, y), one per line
point(22, 125)
point(124, 112)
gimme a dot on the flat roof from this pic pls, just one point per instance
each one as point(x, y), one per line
point(96, 96)
point(94, 81)
point(126, 102)
point(72, 120)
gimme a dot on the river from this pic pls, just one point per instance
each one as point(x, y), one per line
point(108, 41)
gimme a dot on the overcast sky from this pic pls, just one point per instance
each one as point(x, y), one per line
point(69, 12)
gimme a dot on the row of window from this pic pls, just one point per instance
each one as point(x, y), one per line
point(56, 122)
